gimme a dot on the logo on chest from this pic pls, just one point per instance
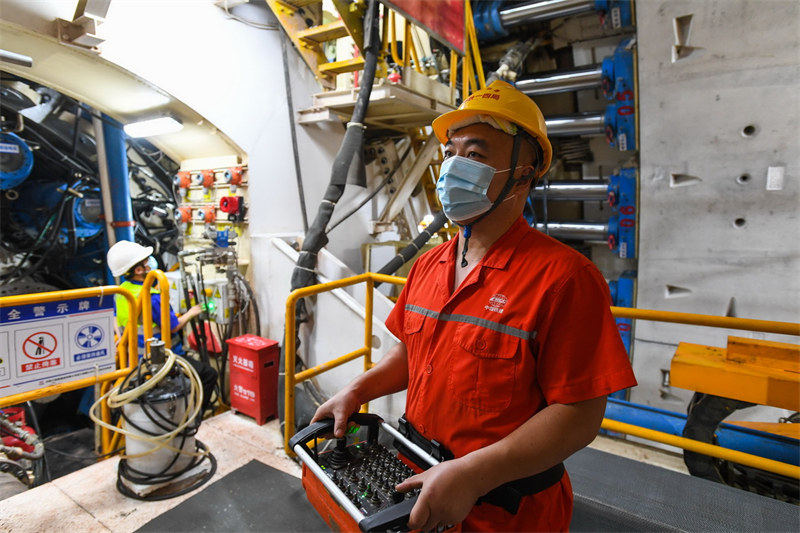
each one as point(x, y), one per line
point(496, 303)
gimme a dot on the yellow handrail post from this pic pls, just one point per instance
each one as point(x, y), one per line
point(147, 310)
point(289, 375)
point(368, 306)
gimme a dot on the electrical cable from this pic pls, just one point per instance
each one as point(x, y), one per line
point(159, 172)
point(45, 465)
point(251, 301)
point(134, 389)
point(47, 252)
point(74, 163)
point(297, 172)
point(56, 451)
point(200, 336)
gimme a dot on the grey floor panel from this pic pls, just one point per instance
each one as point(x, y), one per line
point(254, 497)
point(613, 493)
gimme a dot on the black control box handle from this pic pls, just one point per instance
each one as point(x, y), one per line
point(391, 518)
point(325, 427)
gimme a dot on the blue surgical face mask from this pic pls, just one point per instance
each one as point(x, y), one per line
point(152, 263)
point(462, 187)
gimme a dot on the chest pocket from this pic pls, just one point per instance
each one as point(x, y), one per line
point(412, 322)
point(483, 367)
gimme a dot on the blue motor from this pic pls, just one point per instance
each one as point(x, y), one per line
point(16, 160)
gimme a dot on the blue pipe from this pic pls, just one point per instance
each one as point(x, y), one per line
point(760, 443)
point(117, 160)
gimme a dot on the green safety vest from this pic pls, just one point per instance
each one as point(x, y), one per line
point(123, 312)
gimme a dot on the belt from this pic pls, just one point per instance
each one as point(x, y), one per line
point(507, 496)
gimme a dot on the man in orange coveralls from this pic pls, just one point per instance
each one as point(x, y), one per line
point(507, 345)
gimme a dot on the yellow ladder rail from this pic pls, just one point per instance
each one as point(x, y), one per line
point(301, 19)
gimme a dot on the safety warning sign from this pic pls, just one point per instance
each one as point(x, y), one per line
point(36, 347)
point(55, 342)
point(39, 349)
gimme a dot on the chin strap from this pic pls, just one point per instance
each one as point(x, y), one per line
point(467, 230)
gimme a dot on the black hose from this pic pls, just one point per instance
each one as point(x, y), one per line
point(164, 422)
point(252, 300)
point(316, 238)
point(159, 172)
point(198, 324)
point(416, 245)
point(52, 241)
point(371, 195)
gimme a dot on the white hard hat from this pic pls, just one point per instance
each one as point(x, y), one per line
point(125, 254)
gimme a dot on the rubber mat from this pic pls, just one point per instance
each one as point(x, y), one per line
point(254, 497)
point(613, 493)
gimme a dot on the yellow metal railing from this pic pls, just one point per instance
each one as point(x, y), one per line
point(147, 310)
point(749, 324)
point(292, 378)
point(290, 347)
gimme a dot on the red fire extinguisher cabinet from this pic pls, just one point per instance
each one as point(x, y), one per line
point(254, 376)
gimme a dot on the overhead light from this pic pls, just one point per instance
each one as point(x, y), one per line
point(153, 126)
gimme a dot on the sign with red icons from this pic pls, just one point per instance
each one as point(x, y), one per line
point(49, 343)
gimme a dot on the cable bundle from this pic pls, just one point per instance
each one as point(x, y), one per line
point(160, 405)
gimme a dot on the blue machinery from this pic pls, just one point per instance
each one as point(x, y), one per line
point(615, 75)
point(16, 160)
point(622, 291)
point(75, 202)
point(493, 19)
point(769, 445)
point(620, 193)
point(117, 162)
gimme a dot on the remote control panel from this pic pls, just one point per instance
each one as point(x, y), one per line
point(367, 474)
point(353, 483)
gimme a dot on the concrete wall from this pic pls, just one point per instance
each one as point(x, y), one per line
point(720, 230)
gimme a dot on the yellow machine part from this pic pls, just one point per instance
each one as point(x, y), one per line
point(755, 371)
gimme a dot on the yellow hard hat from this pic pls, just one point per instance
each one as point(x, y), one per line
point(501, 101)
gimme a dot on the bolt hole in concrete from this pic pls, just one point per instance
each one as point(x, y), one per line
point(744, 179)
point(748, 131)
point(739, 223)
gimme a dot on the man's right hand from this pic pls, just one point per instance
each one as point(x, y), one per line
point(340, 407)
point(390, 375)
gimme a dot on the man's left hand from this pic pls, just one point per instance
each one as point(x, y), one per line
point(447, 495)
